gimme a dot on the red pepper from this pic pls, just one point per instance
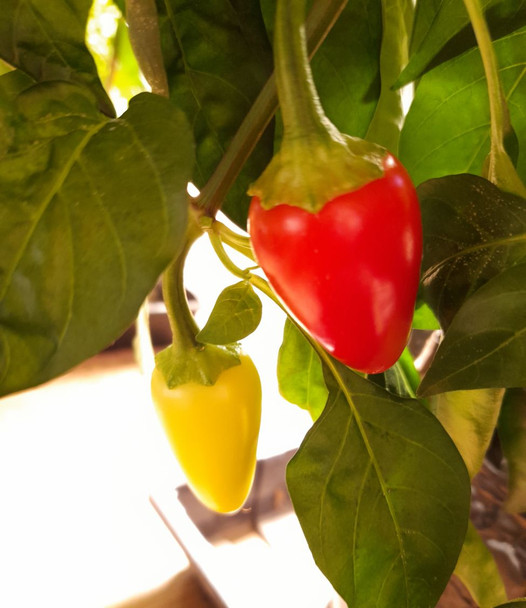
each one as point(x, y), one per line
point(348, 272)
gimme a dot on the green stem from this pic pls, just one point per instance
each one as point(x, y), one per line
point(182, 322)
point(237, 241)
point(299, 102)
point(224, 258)
point(489, 61)
point(500, 169)
point(143, 24)
point(319, 23)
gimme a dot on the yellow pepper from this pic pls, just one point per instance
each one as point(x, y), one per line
point(213, 431)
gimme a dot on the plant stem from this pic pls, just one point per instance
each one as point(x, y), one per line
point(143, 24)
point(182, 322)
point(489, 61)
point(319, 23)
point(217, 245)
point(500, 169)
point(237, 241)
point(299, 102)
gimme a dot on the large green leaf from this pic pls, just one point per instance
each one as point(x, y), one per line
point(472, 231)
point(512, 435)
point(485, 345)
point(470, 418)
point(46, 41)
point(217, 58)
point(346, 68)
point(382, 495)
point(448, 125)
point(91, 210)
point(478, 571)
point(442, 30)
point(300, 373)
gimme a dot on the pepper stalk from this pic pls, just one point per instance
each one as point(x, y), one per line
point(186, 359)
point(316, 162)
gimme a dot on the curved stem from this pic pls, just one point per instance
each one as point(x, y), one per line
point(224, 258)
point(143, 24)
point(298, 99)
point(237, 241)
point(319, 23)
point(182, 322)
point(489, 61)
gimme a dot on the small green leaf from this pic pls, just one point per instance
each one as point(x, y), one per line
point(401, 379)
point(382, 496)
point(236, 315)
point(46, 41)
point(470, 418)
point(512, 435)
point(447, 129)
point(478, 571)
point(424, 318)
point(446, 21)
point(485, 345)
point(472, 231)
point(300, 374)
point(519, 603)
point(91, 212)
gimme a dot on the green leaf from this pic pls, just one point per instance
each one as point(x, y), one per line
point(424, 318)
point(382, 496)
point(300, 373)
point(472, 231)
point(388, 118)
point(470, 418)
point(217, 58)
point(512, 435)
point(448, 125)
point(236, 315)
point(346, 67)
point(520, 603)
point(478, 571)
point(402, 379)
point(91, 210)
point(46, 41)
point(442, 30)
point(485, 345)
point(116, 64)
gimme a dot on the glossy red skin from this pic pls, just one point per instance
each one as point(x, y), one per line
point(348, 273)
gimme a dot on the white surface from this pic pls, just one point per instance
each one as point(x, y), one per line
point(274, 570)
point(79, 458)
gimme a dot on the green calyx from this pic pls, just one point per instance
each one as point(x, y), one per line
point(201, 364)
point(308, 172)
point(316, 162)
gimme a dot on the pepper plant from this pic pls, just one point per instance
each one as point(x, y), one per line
point(299, 104)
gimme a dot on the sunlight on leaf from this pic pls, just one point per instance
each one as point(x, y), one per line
point(478, 571)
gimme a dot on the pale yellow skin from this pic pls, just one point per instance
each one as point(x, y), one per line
point(213, 431)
